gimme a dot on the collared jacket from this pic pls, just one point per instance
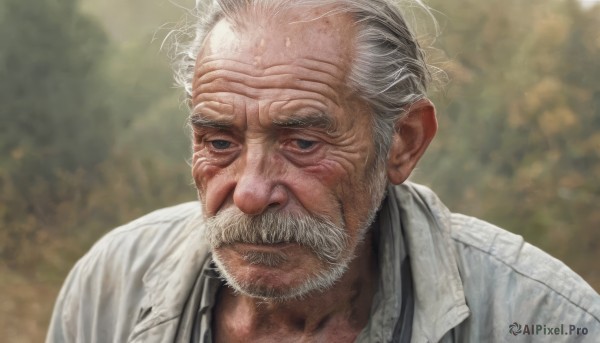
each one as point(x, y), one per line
point(148, 281)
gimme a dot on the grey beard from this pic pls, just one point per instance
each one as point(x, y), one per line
point(265, 259)
point(326, 240)
point(329, 242)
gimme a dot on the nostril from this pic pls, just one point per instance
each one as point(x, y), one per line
point(273, 205)
point(278, 197)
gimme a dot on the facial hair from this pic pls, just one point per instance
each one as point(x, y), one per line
point(327, 241)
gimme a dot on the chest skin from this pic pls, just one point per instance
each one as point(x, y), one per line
point(334, 330)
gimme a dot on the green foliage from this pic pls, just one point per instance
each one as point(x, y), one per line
point(54, 118)
point(150, 108)
point(53, 110)
point(518, 142)
point(84, 146)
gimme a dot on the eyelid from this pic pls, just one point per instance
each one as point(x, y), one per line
point(291, 145)
point(213, 139)
point(211, 135)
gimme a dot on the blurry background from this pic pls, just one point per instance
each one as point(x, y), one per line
point(92, 131)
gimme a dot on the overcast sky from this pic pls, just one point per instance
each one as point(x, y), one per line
point(589, 2)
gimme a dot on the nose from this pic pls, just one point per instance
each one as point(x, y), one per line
point(257, 188)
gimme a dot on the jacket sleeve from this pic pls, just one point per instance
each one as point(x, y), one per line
point(66, 325)
point(99, 301)
point(107, 293)
point(517, 292)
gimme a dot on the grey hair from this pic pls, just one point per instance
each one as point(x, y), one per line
point(389, 70)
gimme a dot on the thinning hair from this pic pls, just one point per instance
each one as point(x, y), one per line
point(389, 71)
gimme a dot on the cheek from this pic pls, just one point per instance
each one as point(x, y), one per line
point(344, 183)
point(213, 182)
point(342, 172)
point(202, 170)
point(317, 188)
point(328, 172)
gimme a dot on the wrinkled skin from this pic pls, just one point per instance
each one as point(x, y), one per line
point(276, 129)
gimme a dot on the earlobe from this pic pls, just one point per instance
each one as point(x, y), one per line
point(412, 135)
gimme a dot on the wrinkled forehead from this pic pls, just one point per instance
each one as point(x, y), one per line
point(266, 40)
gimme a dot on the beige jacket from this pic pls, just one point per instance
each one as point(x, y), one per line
point(472, 281)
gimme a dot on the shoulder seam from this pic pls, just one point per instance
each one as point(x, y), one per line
point(118, 231)
point(525, 275)
point(148, 220)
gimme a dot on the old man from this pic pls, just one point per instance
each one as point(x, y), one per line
point(307, 118)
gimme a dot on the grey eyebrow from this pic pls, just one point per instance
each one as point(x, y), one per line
point(199, 120)
point(298, 121)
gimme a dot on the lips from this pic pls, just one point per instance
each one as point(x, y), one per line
point(267, 247)
point(268, 255)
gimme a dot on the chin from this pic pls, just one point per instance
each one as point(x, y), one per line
point(275, 278)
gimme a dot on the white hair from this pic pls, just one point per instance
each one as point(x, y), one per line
point(389, 71)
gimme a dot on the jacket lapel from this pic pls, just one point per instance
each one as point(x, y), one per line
point(440, 303)
point(168, 284)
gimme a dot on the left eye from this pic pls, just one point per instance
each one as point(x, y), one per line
point(303, 144)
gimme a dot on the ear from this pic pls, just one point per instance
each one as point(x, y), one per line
point(412, 135)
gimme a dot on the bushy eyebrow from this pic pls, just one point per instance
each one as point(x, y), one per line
point(294, 121)
point(199, 120)
point(314, 120)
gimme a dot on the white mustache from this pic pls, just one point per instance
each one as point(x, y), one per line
point(327, 240)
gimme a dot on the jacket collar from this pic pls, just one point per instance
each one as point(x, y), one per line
point(439, 297)
point(438, 292)
point(171, 278)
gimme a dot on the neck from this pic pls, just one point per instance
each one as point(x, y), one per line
point(343, 309)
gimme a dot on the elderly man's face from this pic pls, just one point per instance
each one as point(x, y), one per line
point(283, 153)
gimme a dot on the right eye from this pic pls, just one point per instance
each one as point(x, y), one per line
point(219, 144)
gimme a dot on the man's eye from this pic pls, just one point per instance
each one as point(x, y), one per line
point(304, 144)
point(220, 144)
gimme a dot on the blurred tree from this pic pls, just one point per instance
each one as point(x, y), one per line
point(135, 20)
point(518, 143)
point(151, 112)
point(91, 136)
point(54, 117)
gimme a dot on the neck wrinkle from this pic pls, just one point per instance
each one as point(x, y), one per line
point(349, 299)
